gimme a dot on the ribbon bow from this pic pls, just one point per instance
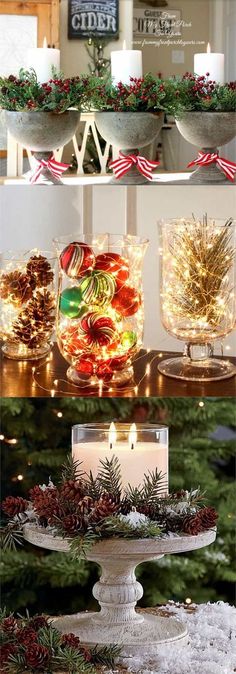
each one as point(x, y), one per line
point(122, 165)
point(55, 167)
point(228, 167)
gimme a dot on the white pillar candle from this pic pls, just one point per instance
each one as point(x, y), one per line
point(212, 63)
point(42, 60)
point(126, 63)
point(135, 458)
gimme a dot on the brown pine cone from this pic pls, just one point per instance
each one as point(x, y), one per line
point(27, 636)
point(34, 325)
point(37, 622)
point(5, 651)
point(9, 624)
point(70, 640)
point(13, 505)
point(103, 507)
point(40, 270)
point(71, 523)
point(208, 517)
point(125, 507)
point(37, 656)
point(72, 491)
point(16, 287)
point(45, 502)
point(174, 523)
point(192, 524)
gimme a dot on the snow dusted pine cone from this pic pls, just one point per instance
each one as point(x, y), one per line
point(45, 502)
point(40, 269)
point(9, 624)
point(13, 505)
point(37, 656)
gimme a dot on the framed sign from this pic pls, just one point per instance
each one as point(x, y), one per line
point(93, 18)
point(156, 23)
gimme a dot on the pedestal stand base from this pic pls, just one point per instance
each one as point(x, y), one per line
point(134, 638)
point(211, 369)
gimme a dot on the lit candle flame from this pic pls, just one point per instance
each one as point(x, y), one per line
point(132, 436)
point(45, 44)
point(112, 435)
point(124, 45)
point(208, 48)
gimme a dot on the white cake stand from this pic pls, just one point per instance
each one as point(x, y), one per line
point(117, 592)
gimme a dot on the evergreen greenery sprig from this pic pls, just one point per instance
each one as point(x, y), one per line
point(193, 93)
point(146, 94)
point(34, 645)
point(84, 510)
point(24, 93)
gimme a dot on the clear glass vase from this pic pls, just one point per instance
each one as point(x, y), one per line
point(27, 297)
point(197, 289)
point(100, 313)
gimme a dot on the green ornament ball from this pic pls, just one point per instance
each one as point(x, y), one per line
point(128, 339)
point(70, 302)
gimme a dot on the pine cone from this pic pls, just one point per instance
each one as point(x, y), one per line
point(13, 505)
point(208, 517)
point(40, 270)
point(27, 636)
point(125, 507)
point(70, 640)
point(104, 507)
point(192, 524)
point(5, 651)
point(34, 325)
point(173, 523)
point(71, 523)
point(37, 656)
point(72, 491)
point(16, 287)
point(45, 502)
point(37, 622)
point(9, 624)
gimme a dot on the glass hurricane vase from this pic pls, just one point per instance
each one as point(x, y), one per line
point(100, 312)
point(197, 294)
point(27, 297)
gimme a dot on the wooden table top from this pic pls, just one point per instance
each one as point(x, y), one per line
point(47, 377)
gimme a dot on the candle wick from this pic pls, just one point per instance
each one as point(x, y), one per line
point(132, 445)
point(110, 445)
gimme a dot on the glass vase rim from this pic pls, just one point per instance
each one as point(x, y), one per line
point(120, 426)
point(170, 221)
point(133, 240)
point(20, 255)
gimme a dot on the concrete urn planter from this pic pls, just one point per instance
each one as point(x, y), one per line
point(42, 132)
point(208, 131)
point(129, 132)
point(118, 591)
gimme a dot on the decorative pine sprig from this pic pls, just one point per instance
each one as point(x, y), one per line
point(71, 470)
point(105, 656)
point(80, 545)
point(109, 476)
point(11, 535)
point(117, 527)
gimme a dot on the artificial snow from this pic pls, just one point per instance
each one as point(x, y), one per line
point(211, 648)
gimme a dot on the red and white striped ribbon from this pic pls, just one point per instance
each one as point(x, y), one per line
point(55, 167)
point(122, 165)
point(228, 167)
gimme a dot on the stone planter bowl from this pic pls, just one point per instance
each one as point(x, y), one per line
point(129, 131)
point(42, 132)
point(118, 591)
point(208, 131)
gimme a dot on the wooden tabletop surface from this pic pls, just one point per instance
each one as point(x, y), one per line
point(47, 377)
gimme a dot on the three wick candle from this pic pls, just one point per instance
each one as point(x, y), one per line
point(140, 450)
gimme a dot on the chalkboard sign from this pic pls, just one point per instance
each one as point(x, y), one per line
point(91, 18)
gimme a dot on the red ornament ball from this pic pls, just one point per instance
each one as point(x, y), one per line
point(85, 365)
point(113, 264)
point(97, 329)
point(126, 301)
point(76, 259)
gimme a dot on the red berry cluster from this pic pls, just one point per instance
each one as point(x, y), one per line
point(142, 93)
point(26, 93)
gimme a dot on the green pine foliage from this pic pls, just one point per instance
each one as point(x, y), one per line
point(53, 582)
